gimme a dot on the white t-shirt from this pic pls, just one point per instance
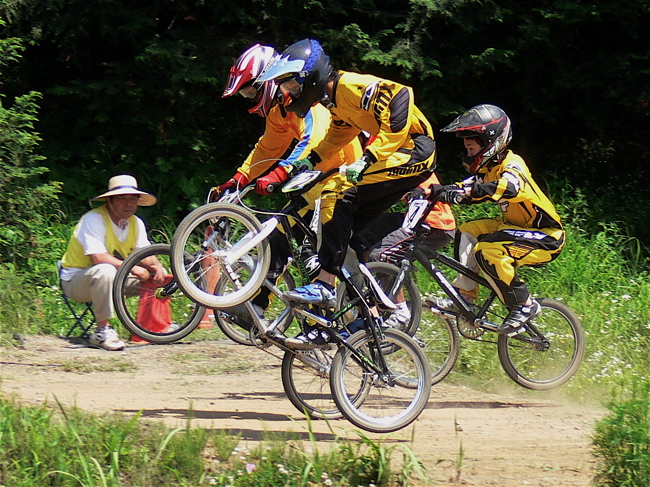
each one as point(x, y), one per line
point(91, 235)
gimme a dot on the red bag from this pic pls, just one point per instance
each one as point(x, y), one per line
point(154, 312)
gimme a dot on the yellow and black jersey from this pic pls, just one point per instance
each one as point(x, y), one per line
point(510, 184)
point(382, 108)
point(284, 130)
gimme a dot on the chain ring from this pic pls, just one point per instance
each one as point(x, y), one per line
point(468, 329)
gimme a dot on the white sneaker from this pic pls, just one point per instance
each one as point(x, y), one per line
point(107, 339)
point(399, 319)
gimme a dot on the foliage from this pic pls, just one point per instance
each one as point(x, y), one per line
point(19, 312)
point(24, 198)
point(622, 439)
point(135, 87)
point(66, 447)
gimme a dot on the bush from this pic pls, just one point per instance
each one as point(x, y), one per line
point(622, 440)
point(18, 308)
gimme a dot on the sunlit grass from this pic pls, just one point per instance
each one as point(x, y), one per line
point(53, 445)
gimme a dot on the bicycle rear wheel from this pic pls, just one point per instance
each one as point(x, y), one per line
point(440, 343)
point(129, 294)
point(544, 364)
point(386, 275)
point(211, 234)
point(306, 382)
point(276, 309)
point(394, 398)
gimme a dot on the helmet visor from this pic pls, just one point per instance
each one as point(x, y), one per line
point(280, 67)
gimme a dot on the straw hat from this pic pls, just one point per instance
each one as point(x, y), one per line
point(125, 184)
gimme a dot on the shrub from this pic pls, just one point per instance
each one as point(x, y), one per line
point(622, 440)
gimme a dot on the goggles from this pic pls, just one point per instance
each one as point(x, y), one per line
point(248, 92)
point(292, 87)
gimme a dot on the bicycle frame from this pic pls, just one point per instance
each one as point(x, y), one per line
point(371, 317)
point(475, 317)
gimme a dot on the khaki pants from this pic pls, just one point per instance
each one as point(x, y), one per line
point(95, 284)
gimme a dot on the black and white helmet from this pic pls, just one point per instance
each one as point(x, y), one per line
point(490, 125)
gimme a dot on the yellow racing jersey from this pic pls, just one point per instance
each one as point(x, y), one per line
point(284, 130)
point(510, 184)
point(382, 108)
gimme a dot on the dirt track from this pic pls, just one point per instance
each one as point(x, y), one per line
point(513, 439)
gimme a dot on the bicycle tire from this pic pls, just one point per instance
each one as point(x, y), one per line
point(440, 342)
point(306, 382)
point(388, 405)
point(386, 273)
point(231, 223)
point(238, 334)
point(542, 370)
point(186, 314)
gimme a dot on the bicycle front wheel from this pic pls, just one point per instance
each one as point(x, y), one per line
point(396, 396)
point(131, 297)
point(549, 358)
point(386, 274)
point(212, 234)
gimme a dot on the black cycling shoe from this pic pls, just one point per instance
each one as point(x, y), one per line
point(517, 317)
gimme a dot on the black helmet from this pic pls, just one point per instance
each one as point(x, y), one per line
point(302, 71)
point(490, 125)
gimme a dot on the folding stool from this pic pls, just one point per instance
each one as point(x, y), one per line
point(85, 319)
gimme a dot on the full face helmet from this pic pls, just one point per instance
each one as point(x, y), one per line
point(302, 71)
point(490, 125)
point(243, 76)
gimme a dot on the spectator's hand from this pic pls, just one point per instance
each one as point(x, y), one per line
point(142, 273)
point(415, 194)
point(354, 172)
point(269, 183)
point(159, 274)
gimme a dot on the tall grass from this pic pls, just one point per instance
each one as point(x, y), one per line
point(42, 445)
point(622, 439)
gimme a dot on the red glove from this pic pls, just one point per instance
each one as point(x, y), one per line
point(237, 181)
point(269, 183)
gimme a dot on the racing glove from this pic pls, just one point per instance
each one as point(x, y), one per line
point(306, 164)
point(354, 172)
point(450, 193)
point(267, 184)
point(415, 194)
point(239, 180)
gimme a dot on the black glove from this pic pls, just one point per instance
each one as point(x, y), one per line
point(450, 193)
point(415, 194)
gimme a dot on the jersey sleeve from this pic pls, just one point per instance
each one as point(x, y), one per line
point(270, 147)
point(393, 110)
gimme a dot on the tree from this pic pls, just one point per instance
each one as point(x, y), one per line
point(24, 199)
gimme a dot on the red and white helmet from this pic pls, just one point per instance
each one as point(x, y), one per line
point(243, 75)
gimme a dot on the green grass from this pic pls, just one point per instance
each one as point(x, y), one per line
point(50, 445)
point(622, 439)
